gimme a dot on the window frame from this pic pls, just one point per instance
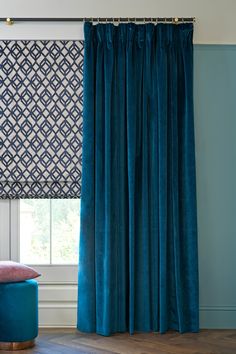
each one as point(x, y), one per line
point(50, 274)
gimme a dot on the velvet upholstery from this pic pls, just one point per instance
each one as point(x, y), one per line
point(138, 268)
point(18, 311)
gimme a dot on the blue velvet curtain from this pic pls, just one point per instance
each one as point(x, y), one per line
point(138, 244)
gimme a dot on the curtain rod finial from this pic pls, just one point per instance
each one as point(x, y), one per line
point(9, 21)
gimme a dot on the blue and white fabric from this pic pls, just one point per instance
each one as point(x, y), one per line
point(41, 97)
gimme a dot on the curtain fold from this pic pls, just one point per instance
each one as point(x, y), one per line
point(138, 268)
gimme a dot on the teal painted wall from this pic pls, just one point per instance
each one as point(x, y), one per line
point(215, 134)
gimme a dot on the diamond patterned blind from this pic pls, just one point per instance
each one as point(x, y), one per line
point(41, 96)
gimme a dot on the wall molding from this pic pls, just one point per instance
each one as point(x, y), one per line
point(73, 305)
point(57, 305)
point(52, 283)
point(218, 308)
point(55, 325)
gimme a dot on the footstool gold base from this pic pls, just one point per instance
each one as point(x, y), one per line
point(17, 345)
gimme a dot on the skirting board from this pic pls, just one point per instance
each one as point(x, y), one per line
point(59, 316)
point(218, 317)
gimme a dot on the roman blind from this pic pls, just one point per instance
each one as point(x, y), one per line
point(41, 119)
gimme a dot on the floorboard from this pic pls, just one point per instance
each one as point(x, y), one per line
point(69, 341)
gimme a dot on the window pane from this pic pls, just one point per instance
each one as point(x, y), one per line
point(65, 231)
point(35, 231)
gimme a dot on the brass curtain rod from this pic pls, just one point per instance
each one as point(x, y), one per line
point(175, 20)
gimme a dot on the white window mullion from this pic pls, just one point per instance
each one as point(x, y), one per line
point(50, 244)
point(4, 230)
point(15, 230)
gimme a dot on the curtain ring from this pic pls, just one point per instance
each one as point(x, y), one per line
point(176, 20)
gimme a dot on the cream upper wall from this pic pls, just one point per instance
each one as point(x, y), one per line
point(215, 18)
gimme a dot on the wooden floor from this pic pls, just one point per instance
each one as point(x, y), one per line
point(66, 341)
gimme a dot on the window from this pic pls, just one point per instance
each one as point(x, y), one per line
point(43, 233)
point(49, 231)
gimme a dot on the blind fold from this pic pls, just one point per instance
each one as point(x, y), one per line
point(41, 119)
